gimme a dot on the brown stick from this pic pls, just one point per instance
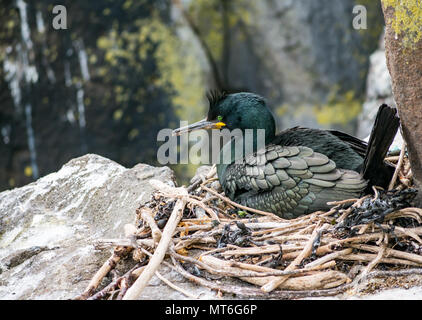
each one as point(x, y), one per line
point(257, 268)
point(414, 213)
point(374, 262)
point(124, 286)
point(220, 267)
point(390, 252)
point(147, 216)
point(118, 253)
point(398, 167)
point(241, 291)
point(367, 257)
point(282, 229)
point(272, 215)
point(270, 286)
point(336, 203)
point(167, 235)
point(261, 250)
point(328, 257)
point(310, 281)
point(105, 243)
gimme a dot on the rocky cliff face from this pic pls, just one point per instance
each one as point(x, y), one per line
point(305, 57)
point(319, 60)
point(121, 72)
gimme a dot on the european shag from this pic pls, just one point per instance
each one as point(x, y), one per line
point(300, 169)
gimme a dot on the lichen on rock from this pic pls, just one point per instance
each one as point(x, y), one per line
point(407, 20)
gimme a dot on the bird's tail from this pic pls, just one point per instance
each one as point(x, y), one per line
point(383, 132)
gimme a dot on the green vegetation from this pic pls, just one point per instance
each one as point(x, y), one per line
point(339, 109)
point(407, 20)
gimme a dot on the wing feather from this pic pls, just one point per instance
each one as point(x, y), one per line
point(290, 180)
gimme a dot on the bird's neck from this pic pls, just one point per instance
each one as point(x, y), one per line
point(258, 130)
point(237, 148)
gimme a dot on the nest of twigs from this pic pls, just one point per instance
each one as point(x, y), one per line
point(198, 232)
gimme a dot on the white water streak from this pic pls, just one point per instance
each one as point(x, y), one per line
point(31, 140)
point(5, 132)
point(67, 74)
point(12, 77)
point(31, 75)
point(83, 60)
point(40, 22)
point(26, 35)
point(81, 106)
point(41, 29)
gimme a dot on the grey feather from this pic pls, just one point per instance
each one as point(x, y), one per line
point(269, 169)
point(281, 163)
point(316, 159)
point(324, 168)
point(297, 163)
point(320, 183)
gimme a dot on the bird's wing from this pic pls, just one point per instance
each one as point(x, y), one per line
point(358, 145)
point(291, 178)
point(345, 150)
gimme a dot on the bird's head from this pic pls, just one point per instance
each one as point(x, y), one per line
point(242, 110)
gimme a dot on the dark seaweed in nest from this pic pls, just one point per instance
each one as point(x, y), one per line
point(374, 210)
point(408, 246)
point(276, 260)
point(165, 208)
point(315, 246)
point(241, 236)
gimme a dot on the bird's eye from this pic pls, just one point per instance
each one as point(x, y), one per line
point(220, 118)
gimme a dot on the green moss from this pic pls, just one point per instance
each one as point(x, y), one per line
point(374, 19)
point(179, 69)
point(281, 110)
point(133, 133)
point(407, 20)
point(117, 115)
point(340, 109)
point(208, 17)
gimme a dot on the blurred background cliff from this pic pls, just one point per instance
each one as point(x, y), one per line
point(123, 70)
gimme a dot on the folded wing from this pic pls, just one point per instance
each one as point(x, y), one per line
point(290, 181)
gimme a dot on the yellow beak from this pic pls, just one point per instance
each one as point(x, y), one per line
point(203, 124)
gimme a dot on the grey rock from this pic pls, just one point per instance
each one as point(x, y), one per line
point(310, 49)
point(216, 185)
point(200, 173)
point(48, 227)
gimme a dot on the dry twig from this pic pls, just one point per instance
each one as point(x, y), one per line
point(299, 257)
point(159, 253)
